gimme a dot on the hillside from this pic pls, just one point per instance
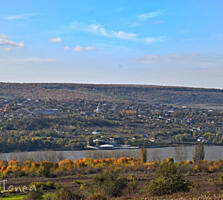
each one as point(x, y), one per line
point(131, 93)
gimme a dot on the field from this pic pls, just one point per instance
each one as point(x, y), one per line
point(206, 187)
point(133, 177)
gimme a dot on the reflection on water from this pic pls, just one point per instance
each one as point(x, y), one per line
point(178, 153)
point(186, 152)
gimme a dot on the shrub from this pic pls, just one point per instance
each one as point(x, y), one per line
point(50, 185)
point(197, 168)
point(97, 196)
point(132, 187)
point(168, 180)
point(109, 184)
point(43, 186)
point(34, 195)
point(49, 197)
point(66, 194)
point(44, 169)
point(211, 168)
point(221, 178)
point(66, 164)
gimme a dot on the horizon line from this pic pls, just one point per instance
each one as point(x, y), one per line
point(114, 84)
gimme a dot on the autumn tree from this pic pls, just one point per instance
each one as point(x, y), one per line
point(199, 153)
point(143, 155)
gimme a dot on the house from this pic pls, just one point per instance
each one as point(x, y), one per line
point(95, 132)
point(146, 135)
point(135, 137)
point(99, 141)
point(98, 110)
point(106, 146)
point(201, 139)
point(152, 139)
point(83, 113)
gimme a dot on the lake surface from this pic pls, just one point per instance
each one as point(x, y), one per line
point(178, 153)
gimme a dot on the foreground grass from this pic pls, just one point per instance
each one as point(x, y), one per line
point(179, 196)
point(16, 197)
point(131, 181)
point(21, 197)
point(186, 196)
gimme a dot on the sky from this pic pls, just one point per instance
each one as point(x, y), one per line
point(159, 42)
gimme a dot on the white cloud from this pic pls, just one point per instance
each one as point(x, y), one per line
point(7, 43)
point(183, 60)
point(150, 40)
point(55, 40)
point(97, 29)
point(3, 36)
point(23, 16)
point(79, 48)
point(67, 48)
point(90, 48)
point(150, 15)
point(35, 60)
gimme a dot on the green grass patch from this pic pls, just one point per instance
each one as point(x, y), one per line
point(21, 197)
point(16, 197)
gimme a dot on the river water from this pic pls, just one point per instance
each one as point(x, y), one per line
point(178, 153)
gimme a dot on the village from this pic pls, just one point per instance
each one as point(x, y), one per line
point(34, 124)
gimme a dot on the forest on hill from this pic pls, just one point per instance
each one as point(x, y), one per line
point(132, 93)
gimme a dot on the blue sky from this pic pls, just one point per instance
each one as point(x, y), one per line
point(174, 42)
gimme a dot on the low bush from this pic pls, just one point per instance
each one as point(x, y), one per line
point(109, 184)
point(168, 180)
point(66, 194)
point(34, 195)
point(44, 185)
point(97, 196)
point(221, 178)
